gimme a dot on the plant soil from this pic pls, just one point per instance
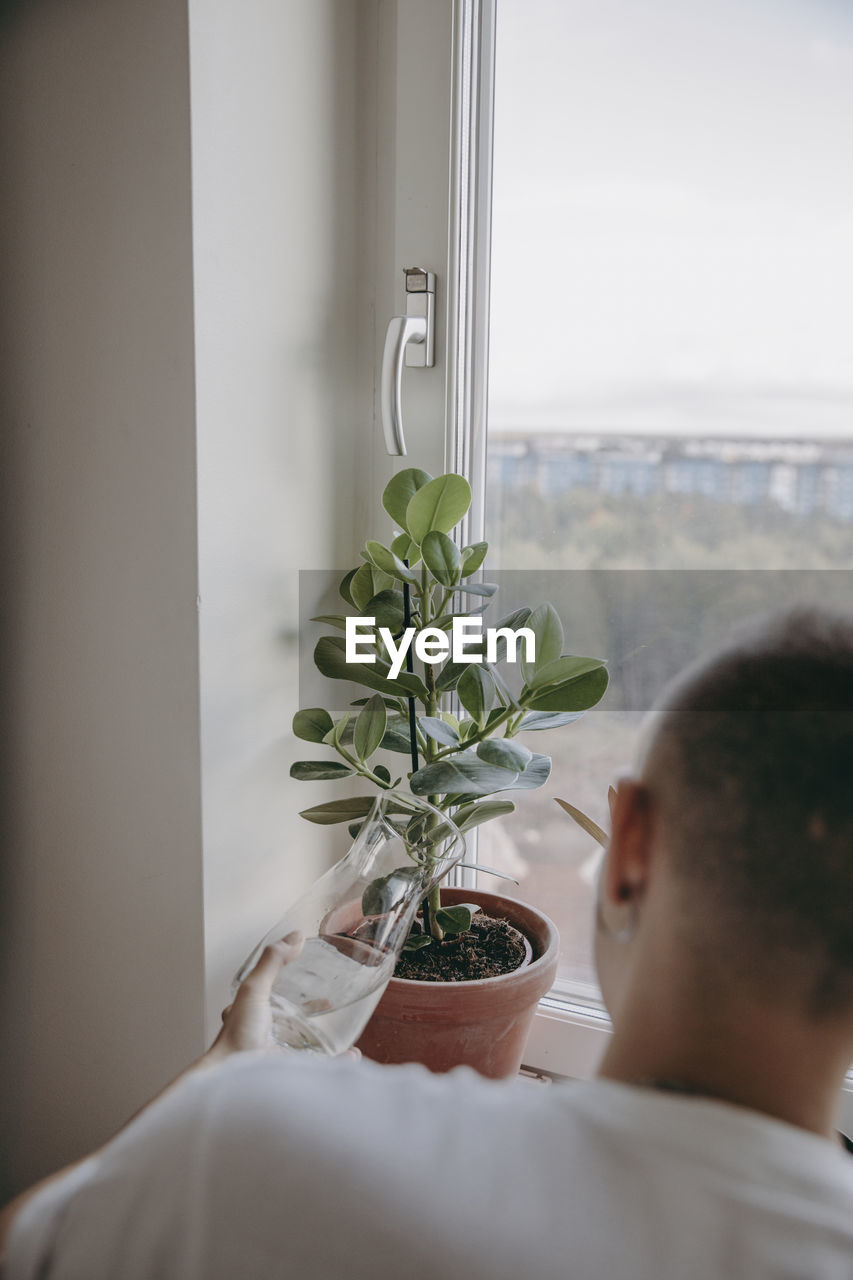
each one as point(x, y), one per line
point(489, 948)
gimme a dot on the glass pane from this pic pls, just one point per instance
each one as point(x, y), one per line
point(671, 327)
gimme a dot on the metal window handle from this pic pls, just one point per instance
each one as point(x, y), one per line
point(409, 340)
point(401, 331)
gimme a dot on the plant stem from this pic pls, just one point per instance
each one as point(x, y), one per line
point(480, 736)
point(434, 902)
point(410, 667)
point(362, 769)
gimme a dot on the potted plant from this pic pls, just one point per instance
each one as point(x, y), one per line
point(409, 604)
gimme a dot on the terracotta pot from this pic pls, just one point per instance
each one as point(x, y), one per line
point(483, 1023)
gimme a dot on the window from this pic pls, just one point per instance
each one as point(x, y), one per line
point(671, 323)
point(650, 231)
point(672, 284)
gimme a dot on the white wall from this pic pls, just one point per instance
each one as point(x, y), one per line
point(201, 248)
point(284, 129)
point(111, 924)
point(101, 885)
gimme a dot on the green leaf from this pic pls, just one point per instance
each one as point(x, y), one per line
point(331, 620)
point(535, 775)
point(476, 692)
point(505, 754)
point(370, 728)
point(439, 730)
point(421, 825)
point(444, 623)
point(449, 675)
point(518, 618)
point(399, 492)
point(385, 892)
point(474, 814)
point(575, 695)
point(562, 671)
point(388, 610)
point(397, 736)
point(417, 941)
point(463, 774)
point(330, 660)
point(545, 624)
point(361, 586)
point(382, 772)
point(312, 724)
point(391, 703)
point(339, 730)
point(442, 557)
point(387, 562)
point(344, 588)
point(483, 589)
point(512, 622)
point(314, 770)
point(406, 549)
point(547, 720)
point(368, 582)
point(473, 557)
point(340, 734)
point(439, 505)
point(339, 810)
point(456, 919)
point(590, 827)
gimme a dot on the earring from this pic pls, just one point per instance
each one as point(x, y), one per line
point(616, 935)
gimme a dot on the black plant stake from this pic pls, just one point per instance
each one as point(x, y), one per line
point(410, 667)
point(413, 718)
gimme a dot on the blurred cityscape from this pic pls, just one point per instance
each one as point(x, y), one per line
point(563, 506)
point(802, 478)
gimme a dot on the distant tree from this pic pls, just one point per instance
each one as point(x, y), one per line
point(581, 529)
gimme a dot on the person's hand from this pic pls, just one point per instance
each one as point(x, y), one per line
point(247, 1022)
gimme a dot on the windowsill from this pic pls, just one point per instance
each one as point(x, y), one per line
point(567, 1041)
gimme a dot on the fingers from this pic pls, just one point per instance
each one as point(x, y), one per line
point(260, 981)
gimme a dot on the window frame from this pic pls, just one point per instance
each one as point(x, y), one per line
point(568, 1035)
point(469, 250)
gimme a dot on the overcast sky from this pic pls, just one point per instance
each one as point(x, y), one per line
point(673, 215)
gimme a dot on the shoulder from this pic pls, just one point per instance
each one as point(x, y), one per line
point(301, 1090)
point(330, 1114)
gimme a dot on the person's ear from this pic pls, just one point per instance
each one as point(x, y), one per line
point(628, 864)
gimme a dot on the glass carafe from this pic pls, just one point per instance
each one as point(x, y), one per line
point(355, 920)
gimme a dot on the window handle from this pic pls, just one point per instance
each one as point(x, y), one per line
point(410, 339)
point(401, 331)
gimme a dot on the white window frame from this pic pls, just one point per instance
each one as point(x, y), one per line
point(469, 250)
point(567, 1038)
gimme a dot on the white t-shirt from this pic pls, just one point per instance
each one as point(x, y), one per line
point(338, 1170)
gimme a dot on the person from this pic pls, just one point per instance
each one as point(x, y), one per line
point(704, 1148)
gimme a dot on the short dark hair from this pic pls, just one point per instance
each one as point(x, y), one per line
point(752, 765)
